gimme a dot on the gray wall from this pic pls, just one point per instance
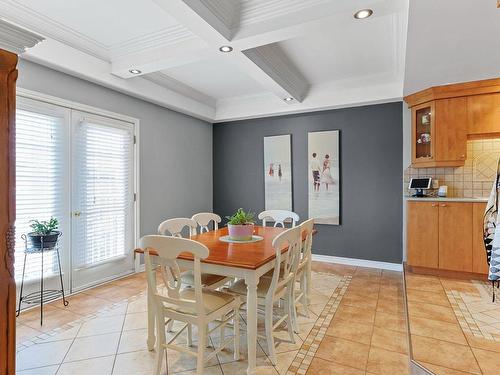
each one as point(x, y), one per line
point(371, 174)
point(176, 150)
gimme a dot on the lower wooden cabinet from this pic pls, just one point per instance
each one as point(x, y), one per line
point(422, 239)
point(455, 236)
point(479, 264)
point(446, 235)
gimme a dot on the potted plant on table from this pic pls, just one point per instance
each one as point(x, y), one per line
point(240, 225)
point(44, 232)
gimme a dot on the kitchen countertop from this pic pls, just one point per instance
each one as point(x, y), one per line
point(447, 199)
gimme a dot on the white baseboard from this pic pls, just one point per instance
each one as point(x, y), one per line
point(358, 262)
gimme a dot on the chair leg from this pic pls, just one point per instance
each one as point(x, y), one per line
point(290, 312)
point(222, 332)
point(160, 350)
point(189, 335)
point(269, 332)
point(202, 338)
point(236, 325)
point(305, 295)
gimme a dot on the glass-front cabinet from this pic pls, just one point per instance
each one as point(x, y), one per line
point(423, 137)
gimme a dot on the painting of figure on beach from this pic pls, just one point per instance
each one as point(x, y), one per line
point(324, 177)
point(278, 172)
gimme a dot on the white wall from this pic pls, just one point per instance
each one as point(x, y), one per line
point(176, 149)
point(451, 41)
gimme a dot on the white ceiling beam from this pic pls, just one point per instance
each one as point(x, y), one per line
point(162, 58)
point(77, 63)
point(262, 64)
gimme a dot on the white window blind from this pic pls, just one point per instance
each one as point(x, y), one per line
point(104, 185)
point(40, 180)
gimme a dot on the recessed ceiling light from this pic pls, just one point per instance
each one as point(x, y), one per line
point(135, 71)
point(226, 49)
point(288, 99)
point(363, 13)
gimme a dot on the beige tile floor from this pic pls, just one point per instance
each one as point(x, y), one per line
point(359, 329)
point(454, 326)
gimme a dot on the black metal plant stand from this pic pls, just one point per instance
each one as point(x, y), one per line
point(44, 295)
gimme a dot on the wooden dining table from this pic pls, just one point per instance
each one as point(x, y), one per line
point(248, 261)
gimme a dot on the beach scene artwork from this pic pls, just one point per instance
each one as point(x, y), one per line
point(324, 177)
point(278, 172)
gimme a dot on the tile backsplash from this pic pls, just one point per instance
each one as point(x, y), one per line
point(474, 179)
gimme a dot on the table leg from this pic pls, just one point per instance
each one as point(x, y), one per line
point(151, 318)
point(251, 283)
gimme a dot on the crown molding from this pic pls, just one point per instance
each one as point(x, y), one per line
point(16, 39)
point(40, 23)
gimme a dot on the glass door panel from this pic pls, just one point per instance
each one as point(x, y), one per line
point(423, 136)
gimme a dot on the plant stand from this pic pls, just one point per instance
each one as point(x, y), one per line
point(43, 295)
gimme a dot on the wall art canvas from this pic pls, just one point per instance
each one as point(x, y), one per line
point(278, 172)
point(324, 177)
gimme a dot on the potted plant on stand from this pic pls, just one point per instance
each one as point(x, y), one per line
point(44, 232)
point(240, 225)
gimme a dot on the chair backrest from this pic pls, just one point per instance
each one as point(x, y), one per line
point(306, 228)
point(204, 218)
point(168, 249)
point(279, 217)
point(174, 227)
point(283, 276)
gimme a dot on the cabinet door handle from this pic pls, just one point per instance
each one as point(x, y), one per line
point(434, 205)
point(443, 205)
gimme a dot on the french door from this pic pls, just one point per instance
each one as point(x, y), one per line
point(102, 199)
point(79, 168)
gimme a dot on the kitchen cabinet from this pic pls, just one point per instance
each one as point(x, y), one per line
point(479, 264)
point(446, 235)
point(439, 133)
point(483, 114)
point(422, 239)
point(455, 236)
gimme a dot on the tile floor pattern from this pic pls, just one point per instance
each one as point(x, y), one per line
point(357, 326)
point(453, 325)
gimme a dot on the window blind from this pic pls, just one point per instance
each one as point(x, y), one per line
point(104, 201)
point(40, 180)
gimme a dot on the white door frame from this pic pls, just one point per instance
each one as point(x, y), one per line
point(35, 95)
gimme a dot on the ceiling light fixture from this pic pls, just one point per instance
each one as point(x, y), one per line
point(363, 13)
point(135, 71)
point(226, 49)
point(288, 99)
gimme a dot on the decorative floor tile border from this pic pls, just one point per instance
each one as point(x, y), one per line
point(308, 350)
point(469, 318)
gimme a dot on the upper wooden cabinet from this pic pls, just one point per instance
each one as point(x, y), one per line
point(443, 117)
point(483, 114)
point(439, 132)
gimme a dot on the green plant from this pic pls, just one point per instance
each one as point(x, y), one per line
point(44, 227)
point(241, 217)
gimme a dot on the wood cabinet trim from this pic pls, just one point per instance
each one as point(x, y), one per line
point(455, 90)
point(8, 77)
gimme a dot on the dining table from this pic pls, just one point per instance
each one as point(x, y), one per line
point(242, 260)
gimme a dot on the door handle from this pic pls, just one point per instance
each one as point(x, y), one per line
point(76, 213)
point(443, 205)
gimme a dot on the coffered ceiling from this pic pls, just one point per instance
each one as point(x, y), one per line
point(312, 51)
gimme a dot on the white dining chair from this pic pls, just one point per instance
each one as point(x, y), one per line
point(279, 287)
point(174, 227)
point(203, 219)
point(303, 275)
point(193, 306)
point(279, 217)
